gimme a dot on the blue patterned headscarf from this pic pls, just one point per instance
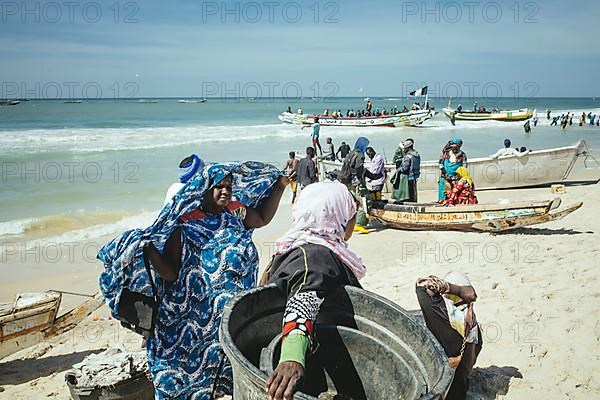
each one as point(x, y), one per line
point(218, 261)
point(252, 181)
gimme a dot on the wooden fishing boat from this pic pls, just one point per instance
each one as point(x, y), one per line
point(33, 318)
point(569, 164)
point(499, 115)
point(411, 118)
point(472, 217)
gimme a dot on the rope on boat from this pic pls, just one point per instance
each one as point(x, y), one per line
point(71, 293)
point(587, 153)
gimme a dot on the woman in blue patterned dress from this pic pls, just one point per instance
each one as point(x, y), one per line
point(201, 252)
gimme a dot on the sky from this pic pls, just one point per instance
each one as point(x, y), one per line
point(180, 48)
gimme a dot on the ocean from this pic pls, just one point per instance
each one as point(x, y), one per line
point(74, 171)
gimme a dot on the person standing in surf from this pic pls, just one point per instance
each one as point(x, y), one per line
point(316, 128)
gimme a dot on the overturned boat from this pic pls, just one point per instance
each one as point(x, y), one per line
point(569, 164)
point(33, 318)
point(496, 115)
point(410, 118)
point(469, 217)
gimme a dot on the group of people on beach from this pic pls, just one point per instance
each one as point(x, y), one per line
point(363, 171)
point(199, 253)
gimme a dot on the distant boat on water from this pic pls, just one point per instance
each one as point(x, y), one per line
point(184, 101)
point(146, 101)
point(9, 103)
point(495, 115)
point(73, 101)
point(481, 114)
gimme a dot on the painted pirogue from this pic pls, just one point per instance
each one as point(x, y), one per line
point(474, 217)
point(500, 115)
point(410, 118)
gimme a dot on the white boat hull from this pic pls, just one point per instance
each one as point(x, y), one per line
point(538, 168)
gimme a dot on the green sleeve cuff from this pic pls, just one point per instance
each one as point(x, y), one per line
point(294, 348)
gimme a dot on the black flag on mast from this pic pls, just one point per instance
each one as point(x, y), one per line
point(420, 92)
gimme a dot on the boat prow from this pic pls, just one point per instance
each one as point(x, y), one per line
point(33, 318)
point(503, 225)
point(292, 118)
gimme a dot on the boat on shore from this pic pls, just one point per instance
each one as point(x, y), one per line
point(471, 217)
point(569, 164)
point(33, 318)
point(495, 115)
point(410, 118)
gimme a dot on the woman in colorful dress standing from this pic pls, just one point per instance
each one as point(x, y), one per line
point(201, 254)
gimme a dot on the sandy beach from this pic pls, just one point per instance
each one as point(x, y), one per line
point(537, 299)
